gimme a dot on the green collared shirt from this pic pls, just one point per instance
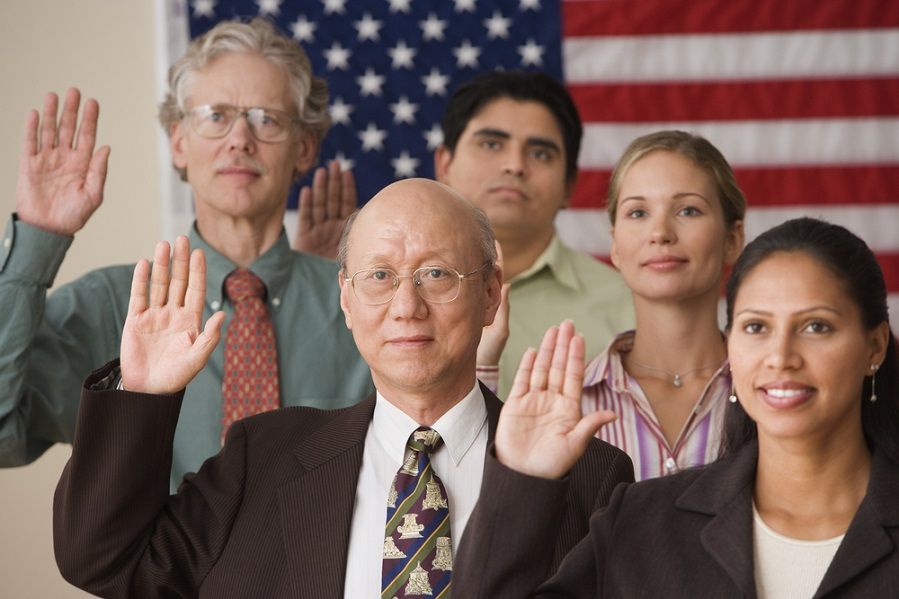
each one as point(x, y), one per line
point(48, 344)
point(563, 283)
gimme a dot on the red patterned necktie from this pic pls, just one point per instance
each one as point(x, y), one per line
point(418, 549)
point(250, 381)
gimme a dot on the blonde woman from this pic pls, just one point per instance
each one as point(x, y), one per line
point(677, 224)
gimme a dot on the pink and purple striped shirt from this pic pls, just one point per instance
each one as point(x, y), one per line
point(637, 432)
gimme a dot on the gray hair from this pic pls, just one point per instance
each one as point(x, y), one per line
point(259, 36)
point(486, 239)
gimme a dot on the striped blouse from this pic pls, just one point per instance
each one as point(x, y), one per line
point(637, 432)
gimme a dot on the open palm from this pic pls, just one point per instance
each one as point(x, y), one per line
point(164, 343)
point(323, 210)
point(61, 178)
point(541, 431)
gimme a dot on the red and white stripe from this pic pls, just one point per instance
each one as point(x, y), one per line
point(802, 97)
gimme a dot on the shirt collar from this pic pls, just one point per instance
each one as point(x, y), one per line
point(458, 428)
point(273, 267)
point(608, 368)
point(555, 259)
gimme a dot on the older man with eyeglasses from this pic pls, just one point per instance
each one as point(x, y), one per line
point(245, 116)
point(367, 501)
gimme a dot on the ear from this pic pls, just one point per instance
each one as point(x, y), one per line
point(569, 189)
point(442, 159)
point(733, 244)
point(613, 251)
point(344, 300)
point(307, 150)
point(494, 286)
point(878, 342)
point(178, 144)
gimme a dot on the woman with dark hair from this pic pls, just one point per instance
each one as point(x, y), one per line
point(805, 501)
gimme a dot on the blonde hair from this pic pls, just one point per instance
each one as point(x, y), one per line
point(699, 150)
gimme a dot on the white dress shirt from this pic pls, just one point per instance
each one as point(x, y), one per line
point(459, 462)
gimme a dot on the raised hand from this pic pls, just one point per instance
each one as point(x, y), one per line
point(164, 344)
point(495, 334)
point(61, 178)
point(324, 209)
point(541, 431)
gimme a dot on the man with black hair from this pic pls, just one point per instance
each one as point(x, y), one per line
point(510, 145)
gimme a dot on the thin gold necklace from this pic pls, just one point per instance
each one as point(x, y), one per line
point(677, 379)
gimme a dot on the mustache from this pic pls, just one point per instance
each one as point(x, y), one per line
point(247, 163)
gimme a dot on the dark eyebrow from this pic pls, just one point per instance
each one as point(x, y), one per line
point(487, 132)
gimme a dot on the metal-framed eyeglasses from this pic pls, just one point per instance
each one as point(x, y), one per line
point(214, 121)
point(434, 284)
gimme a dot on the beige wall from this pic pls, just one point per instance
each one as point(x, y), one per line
point(105, 47)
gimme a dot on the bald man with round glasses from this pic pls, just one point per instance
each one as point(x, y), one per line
point(296, 503)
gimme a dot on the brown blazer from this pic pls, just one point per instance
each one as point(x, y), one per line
point(687, 535)
point(269, 516)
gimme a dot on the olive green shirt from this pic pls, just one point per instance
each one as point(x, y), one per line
point(563, 283)
point(50, 343)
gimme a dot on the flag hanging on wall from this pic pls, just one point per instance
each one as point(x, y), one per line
point(801, 97)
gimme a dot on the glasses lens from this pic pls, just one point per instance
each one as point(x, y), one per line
point(268, 125)
point(437, 283)
point(374, 286)
point(212, 121)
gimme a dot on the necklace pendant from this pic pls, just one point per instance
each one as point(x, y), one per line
point(677, 381)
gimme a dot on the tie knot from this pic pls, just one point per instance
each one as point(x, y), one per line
point(424, 439)
point(242, 284)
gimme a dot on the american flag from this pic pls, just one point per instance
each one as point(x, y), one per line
point(801, 96)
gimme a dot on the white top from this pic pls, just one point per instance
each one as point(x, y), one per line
point(459, 463)
point(788, 568)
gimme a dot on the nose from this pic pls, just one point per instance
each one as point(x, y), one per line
point(407, 303)
point(782, 352)
point(663, 229)
point(240, 137)
point(513, 161)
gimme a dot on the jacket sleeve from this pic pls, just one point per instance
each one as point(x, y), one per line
point(116, 531)
point(48, 344)
point(507, 549)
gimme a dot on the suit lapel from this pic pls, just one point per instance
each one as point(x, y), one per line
point(724, 492)
point(317, 505)
point(866, 542)
point(493, 405)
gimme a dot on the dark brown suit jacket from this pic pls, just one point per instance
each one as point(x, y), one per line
point(269, 516)
point(687, 535)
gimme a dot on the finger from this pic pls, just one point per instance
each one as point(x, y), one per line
point(87, 133)
point(196, 288)
point(69, 118)
point(560, 357)
point(138, 301)
point(348, 197)
point(159, 275)
point(48, 122)
point(573, 386)
point(212, 333)
point(180, 271)
point(540, 372)
point(29, 138)
point(332, 207)
point(587, 427)
point(96, 174)
point(304, 211)
point(520, 385)
point(319, 194)
point(502, 313)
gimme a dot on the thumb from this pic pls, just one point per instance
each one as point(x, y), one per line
point(588, 426)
